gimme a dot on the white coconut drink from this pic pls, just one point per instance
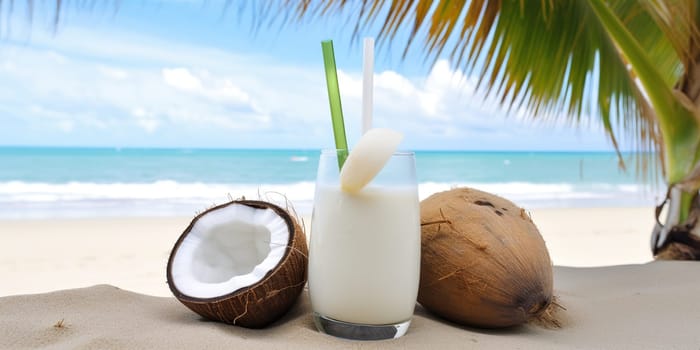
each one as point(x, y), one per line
point(364, 263)
point(242, 263)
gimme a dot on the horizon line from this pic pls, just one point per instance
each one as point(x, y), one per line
point(307, 149)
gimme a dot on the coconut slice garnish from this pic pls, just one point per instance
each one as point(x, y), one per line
point(243, 263)
point(368, 158)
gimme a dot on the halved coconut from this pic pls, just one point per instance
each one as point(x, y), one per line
point(242, 263)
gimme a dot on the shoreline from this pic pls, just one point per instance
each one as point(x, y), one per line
point(131, 252)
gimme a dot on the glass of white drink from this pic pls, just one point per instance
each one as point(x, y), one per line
point(364, 254)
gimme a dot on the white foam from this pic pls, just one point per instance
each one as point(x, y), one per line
point(158, 190)
point(555, 194)
point(299, 159)
point(165, 197)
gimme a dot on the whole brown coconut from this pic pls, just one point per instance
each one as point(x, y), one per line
point(483, 261)
point(201, 268)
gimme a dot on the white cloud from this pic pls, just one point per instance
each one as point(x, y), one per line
point(150, 125)
point(113, 73)
point(392, 81)
point(205, 85)
point(443, 105)
point(8, 66)
point(145, 119)
point(201, 96)
point(139, 112)
point(228, 91)
point(182, 79)
point(56, 57)
point(61, 120)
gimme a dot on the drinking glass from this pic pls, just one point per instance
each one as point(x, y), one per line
point(364, 251)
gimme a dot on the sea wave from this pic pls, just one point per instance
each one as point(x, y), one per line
point(20, 199)
point(525, 191)
point(158, 190)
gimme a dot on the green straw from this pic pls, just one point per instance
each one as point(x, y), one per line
point(341, 143)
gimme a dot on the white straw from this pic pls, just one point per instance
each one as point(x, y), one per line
point(367, 84)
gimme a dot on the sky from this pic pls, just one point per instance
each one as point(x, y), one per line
point(194, 74)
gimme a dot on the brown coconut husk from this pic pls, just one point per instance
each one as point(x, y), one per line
point(260, 304)
point(484, 263)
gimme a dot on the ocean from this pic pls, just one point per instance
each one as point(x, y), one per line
point(43, 182)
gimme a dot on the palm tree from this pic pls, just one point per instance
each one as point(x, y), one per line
point(634, 64)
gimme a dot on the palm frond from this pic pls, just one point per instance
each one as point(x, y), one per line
point(678, 21)
point(54, 10)
point(552, 58)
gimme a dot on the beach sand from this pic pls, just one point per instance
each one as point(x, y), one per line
point(652, 306)
point(639, 306)
point(131, 253)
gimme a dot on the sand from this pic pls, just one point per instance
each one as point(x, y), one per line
point(638, 305)
point(596, 236)
point(131, 253)
point(44, 255)
point(651, 306)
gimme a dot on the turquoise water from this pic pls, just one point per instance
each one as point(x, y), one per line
point(48, 182)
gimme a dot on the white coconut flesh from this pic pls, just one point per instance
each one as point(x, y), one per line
point(227, 249)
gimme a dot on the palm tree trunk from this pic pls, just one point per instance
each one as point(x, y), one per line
point(678, 238)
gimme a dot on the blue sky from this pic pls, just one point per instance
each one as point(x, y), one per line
point(189, 74)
